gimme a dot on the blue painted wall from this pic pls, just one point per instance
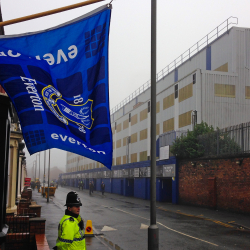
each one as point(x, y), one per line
point(148, 188)
point(117, 186)
point(98, 184)
point(129, 187)
point(158, 189)
point(140, 188)
point(166, 188)
point(108, 185)
point(175, 186)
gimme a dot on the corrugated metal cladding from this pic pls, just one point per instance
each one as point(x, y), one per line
point(214, 82)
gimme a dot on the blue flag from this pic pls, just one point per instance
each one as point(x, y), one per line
point(57, 80)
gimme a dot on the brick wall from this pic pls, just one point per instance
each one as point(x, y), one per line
point(37, 226)
point(216, 183)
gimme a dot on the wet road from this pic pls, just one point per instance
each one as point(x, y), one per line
point(123, 222)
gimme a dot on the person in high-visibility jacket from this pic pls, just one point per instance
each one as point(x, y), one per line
point(71, 226)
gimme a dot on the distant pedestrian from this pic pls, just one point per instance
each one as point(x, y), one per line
point(90, 187)
point(80, 185)
point(103, 188)
point(71, 226)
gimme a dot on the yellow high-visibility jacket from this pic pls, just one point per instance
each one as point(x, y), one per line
point(70, 236)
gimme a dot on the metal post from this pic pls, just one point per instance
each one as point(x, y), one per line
point(44, 173)
point(39, 167)
point(218, 143)
point(35, 169)
point(50, 12)
point(242, 137)
point(153, 230)
point(48, 177)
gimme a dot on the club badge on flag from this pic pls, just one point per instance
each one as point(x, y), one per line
point(57, 80)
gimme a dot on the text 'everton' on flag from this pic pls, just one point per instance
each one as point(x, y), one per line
point(57, 80)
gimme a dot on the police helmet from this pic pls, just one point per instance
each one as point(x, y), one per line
point(73, 200)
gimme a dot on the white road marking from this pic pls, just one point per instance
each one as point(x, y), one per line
point(143, 226)
point(168, 228)
point(106, 229)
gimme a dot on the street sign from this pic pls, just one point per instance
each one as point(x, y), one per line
point(164, 153)
point(169, 170)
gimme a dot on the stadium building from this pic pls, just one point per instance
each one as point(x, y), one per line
point(209, 82)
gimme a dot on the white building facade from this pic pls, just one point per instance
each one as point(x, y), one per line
point(211, 82)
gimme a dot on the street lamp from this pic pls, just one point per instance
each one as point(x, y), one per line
point(35, 168)
point(39, 165)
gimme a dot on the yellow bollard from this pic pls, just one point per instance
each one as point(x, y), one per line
point(89, 229)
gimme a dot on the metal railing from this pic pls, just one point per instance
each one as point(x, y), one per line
point(231, 140)
point(202, 43)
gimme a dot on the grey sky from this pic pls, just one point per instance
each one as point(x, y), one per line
point(180, 24)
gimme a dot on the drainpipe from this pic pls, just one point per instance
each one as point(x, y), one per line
point(20, 152)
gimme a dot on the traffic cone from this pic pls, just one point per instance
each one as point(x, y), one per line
point(89, 229)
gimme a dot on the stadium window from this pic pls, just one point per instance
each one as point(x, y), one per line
point(194, 78)
point(176, 91)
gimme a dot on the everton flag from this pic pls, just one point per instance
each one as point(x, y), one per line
point(57, 80)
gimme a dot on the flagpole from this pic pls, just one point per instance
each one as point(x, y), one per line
point(49, 12)
point(153, 230)
point(48, 177)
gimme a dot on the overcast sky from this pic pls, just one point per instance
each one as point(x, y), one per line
point(180, 24)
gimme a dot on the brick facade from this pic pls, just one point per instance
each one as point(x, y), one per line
point(216, 183)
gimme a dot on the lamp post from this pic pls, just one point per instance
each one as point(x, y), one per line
point(153, 230)
point(35, 168)
point(48, 177)
point(39, 165)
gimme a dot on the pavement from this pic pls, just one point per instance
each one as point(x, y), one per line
point(52, 212)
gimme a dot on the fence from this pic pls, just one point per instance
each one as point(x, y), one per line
point(230, 140)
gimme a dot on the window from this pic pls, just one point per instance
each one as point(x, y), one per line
point(143, 156)
point(118, 143)
point(143, 134)
point(143, 114)
point(134, 157)
point(186, 92)
point(247, 92)
point(149, 107)
point(133, 119)
point(168, 101)
point(134, 138)
point(168, 125)
point(125, 124)
point(176, 91)
point(224, 90)
point(158, 107)
point(119, 127)
point(185, 119)
point(194, 78)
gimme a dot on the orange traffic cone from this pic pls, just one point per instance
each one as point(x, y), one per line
point(89, 229)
